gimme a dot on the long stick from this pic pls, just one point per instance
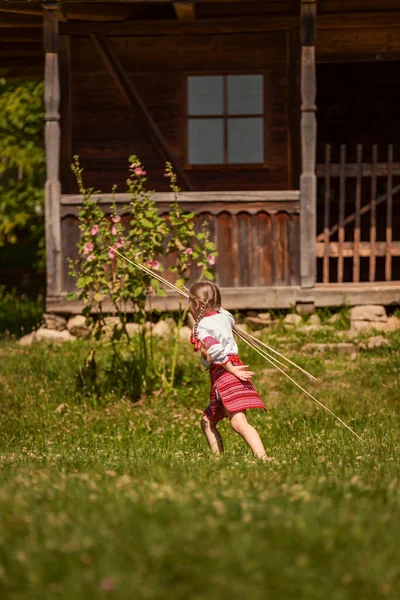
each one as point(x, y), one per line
point(251, 341)
point(260, 343)
point(315, 400)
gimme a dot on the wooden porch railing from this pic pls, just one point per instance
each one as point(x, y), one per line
point(256, 233)
point(358, 237)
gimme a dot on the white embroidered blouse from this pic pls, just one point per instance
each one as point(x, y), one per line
point(215, 332)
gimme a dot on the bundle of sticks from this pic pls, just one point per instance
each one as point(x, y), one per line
point(268, 353)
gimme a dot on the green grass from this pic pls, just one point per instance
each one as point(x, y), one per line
point(103, 498)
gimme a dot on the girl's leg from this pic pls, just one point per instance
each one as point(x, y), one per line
point(212, 434)
point(250, 435)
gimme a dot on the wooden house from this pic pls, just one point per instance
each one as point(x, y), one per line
point(228, 92)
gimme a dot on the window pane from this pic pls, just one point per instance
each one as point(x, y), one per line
point(205, 95)
point(206, 141)
point(245, 94)
point(246, 140)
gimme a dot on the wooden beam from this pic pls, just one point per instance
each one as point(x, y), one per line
point(52, 144)
point(65, 113)
point(198, 27)
point(185, 11)
point(308, 178)
point(133, 99)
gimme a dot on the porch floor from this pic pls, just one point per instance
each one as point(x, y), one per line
point(276, 297)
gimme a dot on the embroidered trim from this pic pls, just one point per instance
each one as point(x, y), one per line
point(211, 314)
point(209, 341)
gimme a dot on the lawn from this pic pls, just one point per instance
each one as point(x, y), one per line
point(102, 498)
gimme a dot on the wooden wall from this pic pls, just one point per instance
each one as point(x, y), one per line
point(105, 131)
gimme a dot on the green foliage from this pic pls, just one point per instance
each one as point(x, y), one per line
point(22, 164)
point(125, 501)
point(19, 314)
point(143, 236)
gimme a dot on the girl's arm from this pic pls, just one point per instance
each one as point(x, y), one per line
point(239, 371)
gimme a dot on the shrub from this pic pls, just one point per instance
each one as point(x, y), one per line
point(19, 314)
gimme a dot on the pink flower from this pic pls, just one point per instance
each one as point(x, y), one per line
point(199, 265)
point(116, 219)
point(133, 165)
point(113, 230)
point(95, 230)
point(166, 174)
point(139, 172)
point(88, 247)
point(111, 253)
point(153, 264)
point(211, 260)
point(108, 584)
point(118, 244)
point(189, 251)
point(91, 257)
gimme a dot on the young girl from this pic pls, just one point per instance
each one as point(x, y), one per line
point(231, 393)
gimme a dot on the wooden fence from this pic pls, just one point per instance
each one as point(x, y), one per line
point(256, 233)
point(358, 238)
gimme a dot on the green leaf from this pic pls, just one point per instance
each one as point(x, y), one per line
point(208, 275)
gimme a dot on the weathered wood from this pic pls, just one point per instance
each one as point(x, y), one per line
point(357, 224)
point(372, 233)
point(200, 27)
point(389, 217)
point(134, 100)
point(327, 208)
point(185, 11)
point(52, 145)
point(65, 113)
point(364, 210)
point(374, 43)
point(346, 249)
point(294, 100)
point(352, 169)
point(246, 197)
point(265, 249)
point(271, 297)
point(342, 201)
point(308, 179)
point(235, 250)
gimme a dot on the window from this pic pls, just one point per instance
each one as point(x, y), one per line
point(226, 120)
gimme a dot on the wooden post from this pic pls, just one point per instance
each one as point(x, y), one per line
point(52, 144)
point(64, 60)
point(308, 178)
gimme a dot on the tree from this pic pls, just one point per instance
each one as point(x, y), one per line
point(22, 162)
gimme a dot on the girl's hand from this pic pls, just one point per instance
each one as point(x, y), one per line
point(241, 373)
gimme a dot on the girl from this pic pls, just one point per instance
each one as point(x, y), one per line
point(231, 390)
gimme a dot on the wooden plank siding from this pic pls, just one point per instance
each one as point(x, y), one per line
point(106, 131)
point(256, 233)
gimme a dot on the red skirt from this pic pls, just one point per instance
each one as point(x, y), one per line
point(229, 392)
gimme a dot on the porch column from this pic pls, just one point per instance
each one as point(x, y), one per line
point(52, 146)
point(308, 179)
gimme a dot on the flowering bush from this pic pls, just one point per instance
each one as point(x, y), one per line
point(108, 283)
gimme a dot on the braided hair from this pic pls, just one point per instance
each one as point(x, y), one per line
point(209, 297)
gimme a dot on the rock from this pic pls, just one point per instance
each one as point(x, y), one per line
point(256, 323)
point(184, 334)
point(350, 333)
point(369, 312)
point(28, 340)
point(171, 322)
point(314, 320)
point(77, 326)
point(162, 329)
point(292, 319)
point(334, 318)
point(345, 347)
point(56, 322)
point(133, 329)
point(393, 323)
point(53, 336)
point(366, 326)
point(378, 341)
point(264, 316)
point(309, 328)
